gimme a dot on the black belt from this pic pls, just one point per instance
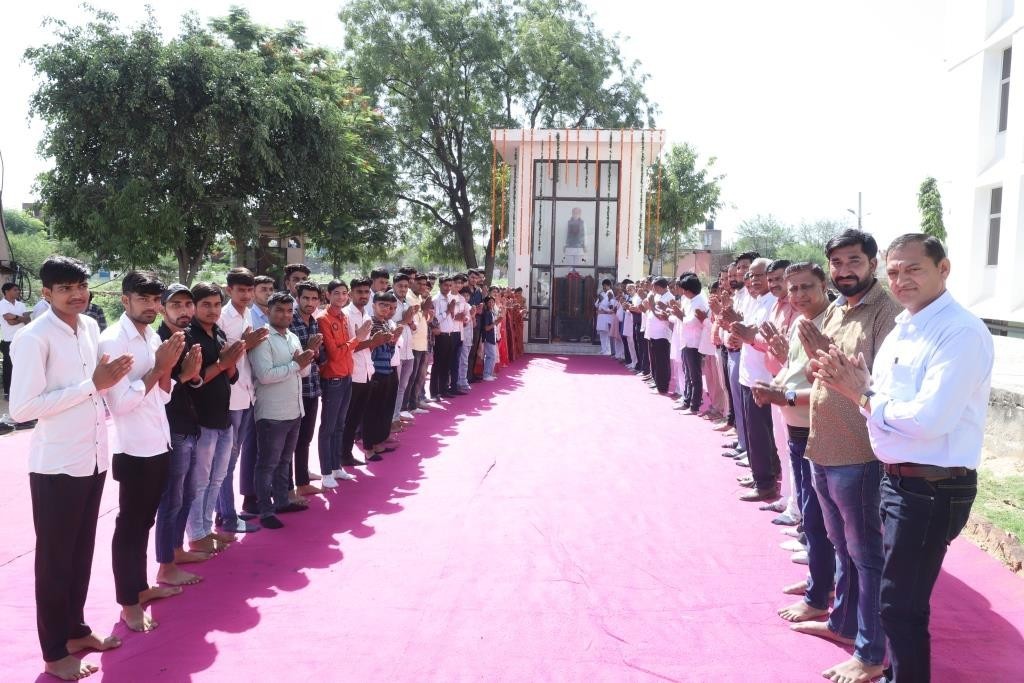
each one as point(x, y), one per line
point(929, 472)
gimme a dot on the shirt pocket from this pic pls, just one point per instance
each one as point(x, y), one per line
point(904, 382)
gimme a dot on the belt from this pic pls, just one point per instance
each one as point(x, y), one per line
point(929, 472)
point(334, 379)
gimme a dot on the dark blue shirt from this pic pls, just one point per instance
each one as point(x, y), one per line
point(310, 383)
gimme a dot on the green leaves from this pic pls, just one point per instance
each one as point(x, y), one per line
point(929, 202)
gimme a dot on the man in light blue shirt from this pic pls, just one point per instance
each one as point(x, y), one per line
point(925, 402)
point(278, 366)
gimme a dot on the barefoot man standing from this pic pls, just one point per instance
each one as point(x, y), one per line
point(142, 439)
point(59, 380)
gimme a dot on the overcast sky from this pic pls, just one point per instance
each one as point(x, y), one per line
point(803, 102)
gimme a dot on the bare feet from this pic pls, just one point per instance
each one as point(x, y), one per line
point(853, 671)
point(158, 592)
point(798, 588)
point(308, 490)
point(207, 546)
point(224, 537)
point(135, 618)
point(70, 668)
point(173, 575)
point(92, 642)
point(182, 556)
point(801, 611)
point(294, 497)
point(820, 629)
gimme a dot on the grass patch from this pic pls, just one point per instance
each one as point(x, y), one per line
point(1001, 501)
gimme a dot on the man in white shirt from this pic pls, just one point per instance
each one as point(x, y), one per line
point(418, 290)
point(605, 306)
point(925, 401)
point(627, 325)
point(404, 315)
point(142, 439)
point(237, 324)
point(659, 331)
point(59, 381)
point(693, 329)
point(42, 306)
point(464, 314)
point(762, 452)
point(740, 300)
point(12, 318)
point(357, 313)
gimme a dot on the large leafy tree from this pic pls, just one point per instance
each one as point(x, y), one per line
point(162, 146)
point(929, 202)
point(690, 195)
point(446, 71)
point(766, 235)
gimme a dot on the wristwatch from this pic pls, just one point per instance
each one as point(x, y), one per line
point(864, 398)
point(790, 397)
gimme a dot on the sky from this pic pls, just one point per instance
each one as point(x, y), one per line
point(803, 103)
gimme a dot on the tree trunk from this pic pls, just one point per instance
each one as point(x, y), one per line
point(489, 263)
point(464, 231)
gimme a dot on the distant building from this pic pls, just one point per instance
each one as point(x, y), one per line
point(707, 260)
point(983, 186)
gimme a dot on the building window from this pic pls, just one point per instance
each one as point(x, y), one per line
point(994, 214)
point(1004, 89)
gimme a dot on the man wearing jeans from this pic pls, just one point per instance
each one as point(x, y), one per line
point(846, 473)
point(237, 323)
point(212, 402)
point(176, 499)
point(278, 366)
point(925, 401)
point(305, 327)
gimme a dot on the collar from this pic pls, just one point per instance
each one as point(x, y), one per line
point(129, 330)
point(231, 312)
point(924, 316)
point(61, 325)
point(196, 326)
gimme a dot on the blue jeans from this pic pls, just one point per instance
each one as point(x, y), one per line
point(737, 398)
point(849, 497)
point(213, 450)
point(490, 358)
point(242, 425)
point(334, 398)
point(276, 439)
point(172, 514)
point(921, 518)
point(821, 556)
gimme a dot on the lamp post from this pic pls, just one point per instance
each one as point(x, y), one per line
point(857, 213)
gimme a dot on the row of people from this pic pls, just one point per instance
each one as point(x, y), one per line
point(233, 377)
point(872, 405)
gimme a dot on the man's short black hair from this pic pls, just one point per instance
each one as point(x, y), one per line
point(407, 270)
point(445, 278)
point(460, 277)
point(747, 256)
point(334, 284)
point(852, 237)
point(778, 264)
point(465, 291)
point(690, 283)
point(606, 281)
point(63, 270)
point(263, 280)
point(387, 297)
point(8, 286)
point(281, 299)
point(359, 282)
point(240, 276)
point(661, 282)
point(142, 283)
point(932, 246)
point(204, 290)
point(378, 273)
point(809, 267)
point(627, 281)
point(307, 286)
point(296, 267)
point(400, 277)
point(422, 277)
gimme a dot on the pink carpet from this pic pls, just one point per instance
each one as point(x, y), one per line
point(564, 525)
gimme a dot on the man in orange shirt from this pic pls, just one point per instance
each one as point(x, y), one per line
point(335, 381)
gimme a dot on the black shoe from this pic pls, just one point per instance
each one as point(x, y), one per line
point(271, 522)
point(250, 507)
point(5, 428)
point(352, 462)
point(247, 516)
point(218, 520)
point(292, 507)
point(25, 425)
point(376, 457)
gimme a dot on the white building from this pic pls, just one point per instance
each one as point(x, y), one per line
point(982, 190)
point(580, 208)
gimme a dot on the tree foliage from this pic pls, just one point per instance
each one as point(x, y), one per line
point(929, 202)
point(446, 71)
point(774, 239)
point(22, 223)
point(162, 146)
point(690, 195)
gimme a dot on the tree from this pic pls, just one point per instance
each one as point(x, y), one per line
point(689, 196)
point(22, 223)
point(929, 202)
point(765, 235)
point(164, 146)
point(446, 71)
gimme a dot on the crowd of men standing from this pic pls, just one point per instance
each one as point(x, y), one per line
point(872, 403)
point(233, 378)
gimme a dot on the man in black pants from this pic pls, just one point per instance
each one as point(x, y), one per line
point(306, 328)
point(357, 314)
point(658, 332)
point(142, 439)
point(59, 380)
point(444, 343)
